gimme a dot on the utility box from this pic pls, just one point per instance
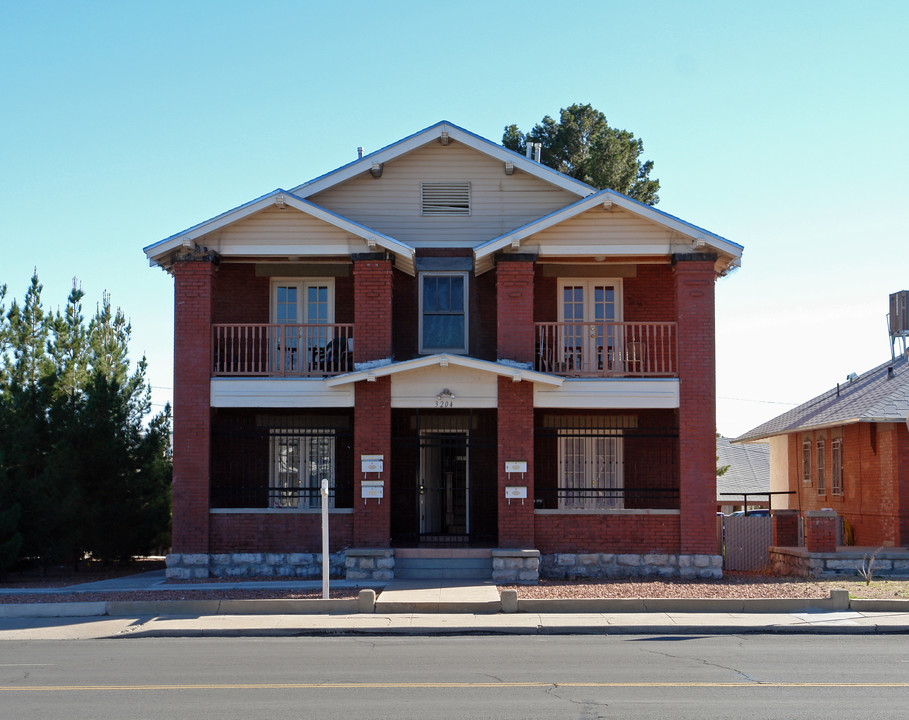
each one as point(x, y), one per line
point(899, 313)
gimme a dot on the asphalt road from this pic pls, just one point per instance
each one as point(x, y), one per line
point(458, 677)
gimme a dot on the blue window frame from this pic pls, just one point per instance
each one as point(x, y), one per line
point(443, 312)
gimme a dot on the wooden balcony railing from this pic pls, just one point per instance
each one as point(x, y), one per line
point(282, 350)
point(607, 349)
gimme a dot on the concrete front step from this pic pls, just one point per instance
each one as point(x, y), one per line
point(443, 568)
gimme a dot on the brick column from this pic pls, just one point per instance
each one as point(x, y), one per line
point(372, 276)
point(785, 528)
point(194, 276)
point(820, 531)
point(372, 436)
point(515, 442)
point(694, 277)
point(514, 307)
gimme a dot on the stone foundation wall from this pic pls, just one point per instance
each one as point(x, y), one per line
point(188, 566)
point(569, 566)
point(801, 563)
point(520, 567)
point(370, 564)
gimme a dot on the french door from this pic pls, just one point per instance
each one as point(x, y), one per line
point(588, 309)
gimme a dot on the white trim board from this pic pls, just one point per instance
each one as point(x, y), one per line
point(279, 393)
point(610, 394)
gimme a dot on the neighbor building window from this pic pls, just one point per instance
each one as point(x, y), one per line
point(836, 466)
point(821, 467)
point(443, 312)
point(806, 461)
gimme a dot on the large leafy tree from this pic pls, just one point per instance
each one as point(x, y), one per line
point(583, 145)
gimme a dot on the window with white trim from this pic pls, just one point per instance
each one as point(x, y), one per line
point(836, 466)
point(590, 471)
point(806, 461)
point(298, 466)
point(443, 312)
point(445, 198)
point(821, 467)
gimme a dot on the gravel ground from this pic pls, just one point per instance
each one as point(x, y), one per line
point(733, 585)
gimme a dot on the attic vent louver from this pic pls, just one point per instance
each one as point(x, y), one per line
point(451, 198)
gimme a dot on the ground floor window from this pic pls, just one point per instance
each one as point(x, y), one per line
point(602, 461)
point(298, 467)
point(278, 460)
point(836, 466)
point(590, 472)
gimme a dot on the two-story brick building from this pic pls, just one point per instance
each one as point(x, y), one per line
point(514, 361)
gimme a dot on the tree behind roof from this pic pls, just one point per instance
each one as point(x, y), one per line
point(583, 145)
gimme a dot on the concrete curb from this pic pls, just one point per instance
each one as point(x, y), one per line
point(366, 603)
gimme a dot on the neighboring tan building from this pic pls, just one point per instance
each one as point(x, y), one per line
point(477, 353)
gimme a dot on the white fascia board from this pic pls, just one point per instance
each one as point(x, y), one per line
point(278, 393)
point(431, 134)
point(443, 359)
point(610, 394)
point(638, 208)
point(401, 250)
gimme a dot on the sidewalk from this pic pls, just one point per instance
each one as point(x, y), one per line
point(425, 608)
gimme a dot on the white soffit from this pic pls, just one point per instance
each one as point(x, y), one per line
point(404, 253)
point(610, 394)
point(483, 253)
point(278, 393)
point(432, 134)
point(517, 374)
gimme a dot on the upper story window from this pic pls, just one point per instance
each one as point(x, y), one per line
point(303, 302)
point(451, 198)
point(836, 466)
point(443, 312)
point(821, 466)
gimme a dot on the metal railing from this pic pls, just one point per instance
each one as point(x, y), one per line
point(272, 349)
point(607, 349)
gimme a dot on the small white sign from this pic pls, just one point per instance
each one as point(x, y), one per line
point(518, 492)
point(372, 463)
point(514, 466)
point(372, 489)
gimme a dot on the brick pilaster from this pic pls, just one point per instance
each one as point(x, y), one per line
point(694, 300)
point(785, 528)
point(193, 288)
point(820, 531)
point(514, 308)
point(372, 275)
point(372, 436)
point(515, 442)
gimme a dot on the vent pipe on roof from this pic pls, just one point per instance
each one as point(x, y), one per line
point(537, 151)
point(360, 153)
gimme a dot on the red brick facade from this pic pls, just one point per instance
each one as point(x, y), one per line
point(694, 297)
point(614, 533)
point(194, 280)
point(515, 443)
point(875, 472)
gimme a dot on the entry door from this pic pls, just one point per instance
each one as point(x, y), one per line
point(444, 485)
point(588, 307)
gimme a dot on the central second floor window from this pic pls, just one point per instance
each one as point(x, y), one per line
point(443, 312)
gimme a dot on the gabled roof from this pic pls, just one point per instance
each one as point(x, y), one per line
point(432, 134)
point(512, 370)
point(879, 395)
point(484, 252)
point(749, 469)
point(403, 252)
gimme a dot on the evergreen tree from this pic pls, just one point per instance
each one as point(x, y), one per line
point(583, 145)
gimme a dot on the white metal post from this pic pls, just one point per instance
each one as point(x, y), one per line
point(325, 539)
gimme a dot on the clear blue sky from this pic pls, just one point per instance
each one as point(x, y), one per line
point(779, 125)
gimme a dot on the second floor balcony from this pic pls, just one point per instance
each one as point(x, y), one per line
point(606, 349)
point(282, 350)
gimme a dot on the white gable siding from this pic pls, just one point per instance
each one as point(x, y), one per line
point(391, 203)
point(605, 231)
point(287, 231)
